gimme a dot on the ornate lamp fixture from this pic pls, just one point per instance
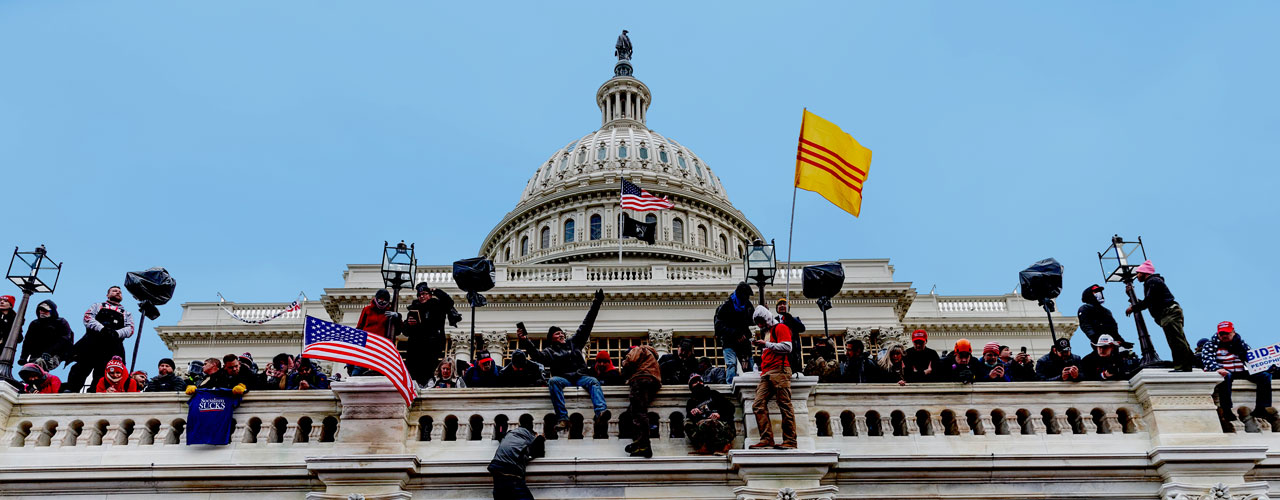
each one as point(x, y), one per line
point(761, 264)
point(33, 272)
point(1117, 267)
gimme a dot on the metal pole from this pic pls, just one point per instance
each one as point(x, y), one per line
point(790, 231)
point(1048, 312)
point(137, 339)
point(11, 342)
point(472, 356)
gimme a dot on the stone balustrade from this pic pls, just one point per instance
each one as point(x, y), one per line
point(1156, 436)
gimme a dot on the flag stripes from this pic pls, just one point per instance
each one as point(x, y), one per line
point(640, 200)
point(342, 344)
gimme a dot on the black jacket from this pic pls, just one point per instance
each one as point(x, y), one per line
point(733, 325)
point(166, 383)
point(917, 361)
point(51, 335)
point(529, 375)
point(709, 401)
point(431, 316)
point(1049, 367)
point(797, 327)
point(565, 359)
point(517, 448)
point(6, 322)
point(1095, 319)
point(1092, 366)
point(1156, 296)
point(676, 370)
point(1021, 372)
point(953, 372)
point(860, 370)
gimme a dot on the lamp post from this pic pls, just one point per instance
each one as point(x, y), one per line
point(761, 264)
point(399, 267)
point(1117, 268)
point(33, 272)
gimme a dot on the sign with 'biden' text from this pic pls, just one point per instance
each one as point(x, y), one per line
point(1262, 358)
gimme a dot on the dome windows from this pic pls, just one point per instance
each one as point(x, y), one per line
point(677, 230)
point(568, 231)
point(602, 153)
point(724, 244)
point(524, 246)
point(662, 156)
point(544, 237)
point(702, 236)
point(697, 168)
point(597, 228)
point(582, 156)
point(622, 151)
point(680, 160)
point(644, 153)
point(571, 146)
point(564, 162)
point(506, 255)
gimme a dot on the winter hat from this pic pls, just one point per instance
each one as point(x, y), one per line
point(1062, 345)
point(1200, 344)
point(8, 298)
point(962, 345)
point(603, 356)
point(1105, 339)
point(991, 347)
point(382, 294)
point(1146, 267)
point(33, 369)
point(763, 314)
point(552, 330)
point(518, 357)
point(919, 335)
point(782, 301)
point(1226, 326)
point(694, 378)
point(167, 361)
point(116, 363)
point(422, 287)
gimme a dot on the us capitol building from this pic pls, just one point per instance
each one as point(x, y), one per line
point(1154, 437)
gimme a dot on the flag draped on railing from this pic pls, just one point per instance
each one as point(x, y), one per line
point(296, 305)
point(343, 344)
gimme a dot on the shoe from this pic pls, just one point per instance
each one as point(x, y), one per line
point(1126, 345)
point(562, 426)
point(1229, 416)
point(761, 445)
point(645, 452)
point(786, 446)
point(1180, 370)
point(631, 448)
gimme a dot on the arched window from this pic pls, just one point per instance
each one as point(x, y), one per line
point(544, 238)
point(582, 156)
point(697, 167)
point(662, 156)
point(677, 230)
point(741, 253)
point(602, 153)
point(724, 244)
point(524, 246)
point(506, 256)
point(564, 162)
point(597, 231)
point(702, 236)
point(644, 153)
point(622, 151)
point(650, 219)
point(568, 231)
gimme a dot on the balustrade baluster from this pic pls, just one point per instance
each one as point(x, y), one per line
point(437, 430)
point(290, 433)
point(1064, 426)
point(1089, 426)
point(60, 435)
point(1112, 422)
point(936, 427)
point(613, 428)
point(988, 425)
point(912, 428)
point(238, 435)
point(860, 426)
point(886, 426)
point(112, 434)
point(837, 428)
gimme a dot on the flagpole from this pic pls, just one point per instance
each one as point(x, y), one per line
point(619, 235)
point(795, 184)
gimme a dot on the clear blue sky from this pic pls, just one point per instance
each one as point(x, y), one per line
point(254, 148)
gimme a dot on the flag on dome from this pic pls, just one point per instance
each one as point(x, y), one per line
point(638, 199)
point(831, 163)
point(343, 344)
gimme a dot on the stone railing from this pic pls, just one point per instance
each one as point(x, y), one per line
point(1157, 436)
point(972, 305)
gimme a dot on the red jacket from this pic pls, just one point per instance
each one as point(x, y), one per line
point(373, 320)
point(126, 384)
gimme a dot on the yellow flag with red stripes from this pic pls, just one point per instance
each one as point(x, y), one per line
point(831, 163)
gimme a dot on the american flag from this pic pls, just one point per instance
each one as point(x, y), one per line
point(638, 199)
point(343, 344)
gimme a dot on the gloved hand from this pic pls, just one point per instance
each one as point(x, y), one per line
point(110, 332)
point(393, 316)
point(599, 298)
point(239, 389)
point(191, 389)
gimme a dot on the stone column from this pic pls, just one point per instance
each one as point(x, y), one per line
point(496, 344)
point(367, 477)
point(374, 417)
point(660, 340)
point(1188, 446)
point(792, 474)
point(744, 387)
point(461, 345)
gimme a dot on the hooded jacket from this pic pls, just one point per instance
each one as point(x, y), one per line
point(6, 322)
point(125, 384)
point(823, 364)
point(565, 358)
point(733, 319)
point(517, 448)
point(709, 401)
point(51, 335)
point(1156, 296)
point(675, 369)
point(642, 362)
point(521, 372)
point(1209, 353)
point(373, 319)
point(431, 316)
point(45, 384)
point(860, 370)
point(1095, 319)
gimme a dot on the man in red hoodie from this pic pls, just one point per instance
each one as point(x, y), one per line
point(39, 381)
point(116, 379)
point(775, 381)
point(377, 318)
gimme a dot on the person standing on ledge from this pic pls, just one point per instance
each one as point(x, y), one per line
point(733, 330)
point(106, 325)
point(563, 358)
point(644, 378)
point(775, 381)
point(517, 447)
point(1158, 300)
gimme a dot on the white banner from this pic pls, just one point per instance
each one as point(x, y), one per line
point(1262, 358)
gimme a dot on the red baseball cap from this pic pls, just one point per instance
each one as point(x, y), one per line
point(919, 334)
point(1226, 326)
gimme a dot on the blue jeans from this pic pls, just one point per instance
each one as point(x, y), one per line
point(731, 360)
point(1262, 379)
point(557, 384)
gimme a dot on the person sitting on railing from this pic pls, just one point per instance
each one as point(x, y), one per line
point(521, 372)
point(678, 366)
point(857, 367)
point(644, 378)
point(444, 377)
point(116, 378)
point(141, 378)
point(516, 448)
point(823, 362)
point(893, 366)
point(797, 327)
point(1105, 362)
point(38, 381)
point(711, 373)
point(733, 331)
point(775, 381)
point(1020, 367)
point(961, 366)
point(603, 370)
point(923, 363)
point(484, 373)
point(165, 380)
point(708, 419)
point(276, 374)
point(564, 359)
point(49, 338)
point(307, 377)
point(1095, 319)
point(1226, 354)
point(1059, 364)
point(424, 325)
point(993, 369)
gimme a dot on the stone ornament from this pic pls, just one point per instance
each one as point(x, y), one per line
point(1218, 491)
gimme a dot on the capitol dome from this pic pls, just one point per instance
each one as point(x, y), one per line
point(568, 211)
